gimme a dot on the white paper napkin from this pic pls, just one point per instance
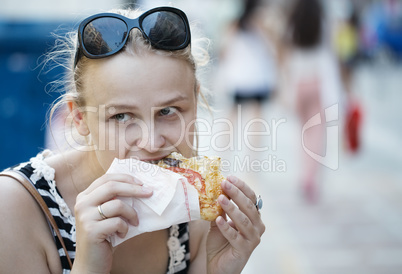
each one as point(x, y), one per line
point(174, 200)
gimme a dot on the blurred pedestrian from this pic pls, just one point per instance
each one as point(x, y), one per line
point(310, 81)
point(247, 68)
point(347, 46)
point(246, 60)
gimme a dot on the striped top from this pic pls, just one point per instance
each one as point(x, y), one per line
point(41, 176)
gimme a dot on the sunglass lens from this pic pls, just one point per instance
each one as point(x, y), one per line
point(104, 35)
point(165, 30)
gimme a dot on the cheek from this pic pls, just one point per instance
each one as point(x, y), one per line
point(101, 133)
point(122, 139)
point(94, 128)
point(110, 144)
point(182, 136)
point(108, 138)
point(128, 135)
point(190, 132)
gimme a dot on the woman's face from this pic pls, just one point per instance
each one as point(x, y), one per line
point(140, 106)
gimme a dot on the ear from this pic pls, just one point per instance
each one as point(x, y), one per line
point(78, 119)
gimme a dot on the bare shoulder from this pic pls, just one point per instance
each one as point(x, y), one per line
point(24, 234)
point(14, 198)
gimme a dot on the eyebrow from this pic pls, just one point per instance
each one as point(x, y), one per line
point(175, 99)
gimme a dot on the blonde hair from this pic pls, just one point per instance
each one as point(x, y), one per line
point(63, 54)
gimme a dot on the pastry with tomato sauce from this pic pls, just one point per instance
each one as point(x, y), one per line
point(204, 174)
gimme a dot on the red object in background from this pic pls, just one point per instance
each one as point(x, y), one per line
point(352, 126)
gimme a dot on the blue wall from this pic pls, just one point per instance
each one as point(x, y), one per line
point(23, 99)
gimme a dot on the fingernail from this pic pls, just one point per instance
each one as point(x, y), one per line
point(135, 222)
point(220, 220)
point(224, 200)
point(227, 185)
point(137, 182)
point(146, 189)
point(233, 179)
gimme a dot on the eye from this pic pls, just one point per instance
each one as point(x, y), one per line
point(122, 117)
point(168, 111)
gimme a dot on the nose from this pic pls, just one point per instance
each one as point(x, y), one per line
point(150, 139)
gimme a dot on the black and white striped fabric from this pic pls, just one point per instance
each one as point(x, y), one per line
point(42, 177)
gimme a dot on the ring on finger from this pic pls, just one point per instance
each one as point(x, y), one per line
point(258, 203)
point(101, 212)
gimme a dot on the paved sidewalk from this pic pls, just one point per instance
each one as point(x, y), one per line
point(356, 227)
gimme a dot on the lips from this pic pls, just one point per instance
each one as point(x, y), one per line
point(151, 161)
point(154, 160)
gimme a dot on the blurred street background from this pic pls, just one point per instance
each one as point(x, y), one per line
point(337, 213)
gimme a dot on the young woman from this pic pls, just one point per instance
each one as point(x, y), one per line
point(310, 82)
point(134, 93)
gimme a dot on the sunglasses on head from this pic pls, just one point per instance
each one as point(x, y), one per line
point(105, 34)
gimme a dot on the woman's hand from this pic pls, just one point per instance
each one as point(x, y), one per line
point(94, 253)
point(230, 243)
